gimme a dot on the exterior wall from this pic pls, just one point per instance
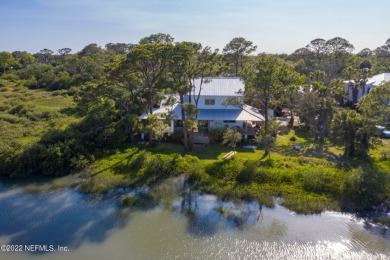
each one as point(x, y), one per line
point(218, 101)
point(360, 92)
point(221, 124)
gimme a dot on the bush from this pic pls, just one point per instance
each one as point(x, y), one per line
point(186, 165)
point(141, 160)
point(11, 77)
point(158, 168)
point(316, 182)
point(216, 135)
point(10, 118)
point(363, 188)
point(293, 138)
point(307, 204)
point(248, 172)
point(227, 170)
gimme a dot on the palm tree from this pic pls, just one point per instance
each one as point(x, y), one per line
point(364, 75)
point(349, 72)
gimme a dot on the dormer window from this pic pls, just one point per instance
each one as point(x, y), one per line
point(209, 101)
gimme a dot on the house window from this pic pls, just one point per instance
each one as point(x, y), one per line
point(229, 121)
point(210, 101)
point(368, 90)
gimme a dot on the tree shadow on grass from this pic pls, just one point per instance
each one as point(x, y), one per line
point(120, 167)
point(315, 150)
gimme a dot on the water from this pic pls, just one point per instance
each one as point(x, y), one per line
point(192, 226)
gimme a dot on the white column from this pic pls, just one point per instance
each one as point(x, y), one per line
point(172, 126)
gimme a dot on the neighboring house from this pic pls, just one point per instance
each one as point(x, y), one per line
point(212, 113)
point(372, 82)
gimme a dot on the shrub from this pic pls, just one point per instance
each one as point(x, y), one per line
point(306, 203)
point(185, 164)
point(11, 77)
point(363, 188)
point(293, 138)
point(10, 118)
point(216, 135)
point(316, 182)
point(158, 168)
point(141, 160)
point(248, 172)
point(226, 170)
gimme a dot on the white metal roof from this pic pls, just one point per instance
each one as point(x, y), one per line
point(378, 79)
point(232, 87)
point(247, 113)
point(174, 110)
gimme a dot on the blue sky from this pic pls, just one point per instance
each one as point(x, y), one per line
point(278, 26)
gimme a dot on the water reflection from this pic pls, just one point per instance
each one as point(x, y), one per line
point(172, 221)
point(58, 218)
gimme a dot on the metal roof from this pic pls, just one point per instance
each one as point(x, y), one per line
point(247, 113)
point(378, 79)
point(230, 87)
point(374, 80)
point(235, 115)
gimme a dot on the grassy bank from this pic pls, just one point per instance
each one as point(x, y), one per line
point(26, 116)
point(306, 183)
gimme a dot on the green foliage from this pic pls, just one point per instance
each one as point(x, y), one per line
point(319, 182)
point(141, 160)
point(267, 142)
point(158, 168)
point(216, 135)
point(363, 187)
point(156, 127)
point(236, 50)
point(354, 130)
point(307, 204)
point(269, 80)
point(226, 170)
point(6, 60)
point(232, 137)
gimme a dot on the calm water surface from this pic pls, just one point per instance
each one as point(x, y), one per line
point(182, 226)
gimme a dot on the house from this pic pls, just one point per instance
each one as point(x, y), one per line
point(212, 113)
point(372, 82)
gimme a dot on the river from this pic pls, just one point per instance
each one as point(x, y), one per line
point(36, 217)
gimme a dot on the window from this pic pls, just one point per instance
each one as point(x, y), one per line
point(368, 90)
point(210, 101)
point(229, 121)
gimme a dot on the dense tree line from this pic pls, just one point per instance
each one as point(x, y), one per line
point(114, 85)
